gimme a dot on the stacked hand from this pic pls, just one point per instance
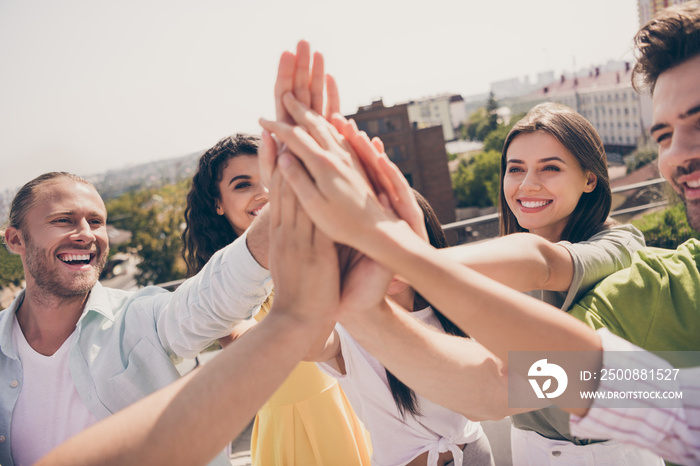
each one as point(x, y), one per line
point(343, 181)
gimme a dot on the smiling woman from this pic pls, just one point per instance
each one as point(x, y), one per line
point(554, 184)
point(308, 420)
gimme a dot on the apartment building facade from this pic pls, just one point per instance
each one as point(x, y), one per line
point(446, 110)
point(621, 116)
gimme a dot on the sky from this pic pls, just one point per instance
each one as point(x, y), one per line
point(92, 85)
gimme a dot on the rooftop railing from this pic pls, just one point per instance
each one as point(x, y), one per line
point(490, 217)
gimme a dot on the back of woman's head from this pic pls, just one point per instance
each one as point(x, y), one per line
point(581, 139)
point(205, 231)
point(404, 397)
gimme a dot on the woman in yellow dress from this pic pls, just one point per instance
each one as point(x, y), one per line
point(308, 420)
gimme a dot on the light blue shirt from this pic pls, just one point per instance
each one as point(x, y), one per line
point(125, 339)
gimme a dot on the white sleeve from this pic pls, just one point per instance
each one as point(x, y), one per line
point(229, 289)
point(671, 432)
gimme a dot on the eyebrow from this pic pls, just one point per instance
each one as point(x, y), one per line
point(693, 111)
point(70, 213)
point(544, 160)
point(238, 177)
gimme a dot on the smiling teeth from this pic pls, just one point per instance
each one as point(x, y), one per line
point(533, 204)
point(75, 257)
point(256, 211)
point(693, 184)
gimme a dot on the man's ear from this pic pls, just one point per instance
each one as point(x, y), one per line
point(14, 240)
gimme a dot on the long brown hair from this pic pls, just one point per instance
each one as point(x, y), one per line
point(404, 397)
point(205, 231)
point(580, 138)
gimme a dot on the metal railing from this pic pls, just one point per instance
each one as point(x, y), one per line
point(490, 217)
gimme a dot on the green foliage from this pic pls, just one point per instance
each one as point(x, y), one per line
point(641, 157)
point(476, 181)
point(482, 121)
point(667, 228)
point(11, 270)
point(496, 138)
point(451, 157)
point(154, 217)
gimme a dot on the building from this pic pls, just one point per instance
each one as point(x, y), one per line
point(515, 87)
point(647, 9)
point(419, 152)
point(447, 110)
point(606, 98)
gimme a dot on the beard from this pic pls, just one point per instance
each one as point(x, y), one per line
point(51, 281)
point(692, 212)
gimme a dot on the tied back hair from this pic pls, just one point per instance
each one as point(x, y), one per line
point(404, 397)
point(206, 231)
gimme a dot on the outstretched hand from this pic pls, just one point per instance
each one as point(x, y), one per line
point(304, 261)
point(385, 176)
point(293, 75)
point(332, 191)
point(364, 286)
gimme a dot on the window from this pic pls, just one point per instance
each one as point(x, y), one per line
point(397, 153)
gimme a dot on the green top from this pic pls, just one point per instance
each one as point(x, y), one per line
point(598, 257)
point(654, 304)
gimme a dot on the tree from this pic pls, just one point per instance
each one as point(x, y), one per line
point(497, 138)
point(476, 181)
point(482, 121)
point(492, 113)
point(11, 271)
point(640, 157)
point(154, 217)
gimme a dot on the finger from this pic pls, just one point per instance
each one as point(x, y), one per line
point(299, 143)
point(385, 202)
point(332, 97)
point(322, 241)
point(316, 86)
point(301, 73)
point(296, 176)
point(378, 144)
point(364, 150)
point(383, 180)
point(338, 121)
point(398, 182)
point(288, 206)
point(317, 126)
point(275, 199)
point(267, 157)
point(284, 84)
point(303, 226)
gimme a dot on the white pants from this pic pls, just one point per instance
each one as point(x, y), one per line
point(531, 449)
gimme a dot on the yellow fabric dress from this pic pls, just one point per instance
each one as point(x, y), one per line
point(308, 421)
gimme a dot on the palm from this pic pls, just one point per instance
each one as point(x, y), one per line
point(364, 285)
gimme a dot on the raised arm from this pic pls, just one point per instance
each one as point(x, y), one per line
point(551, 266)
point(341, 203)
point(239, 380)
